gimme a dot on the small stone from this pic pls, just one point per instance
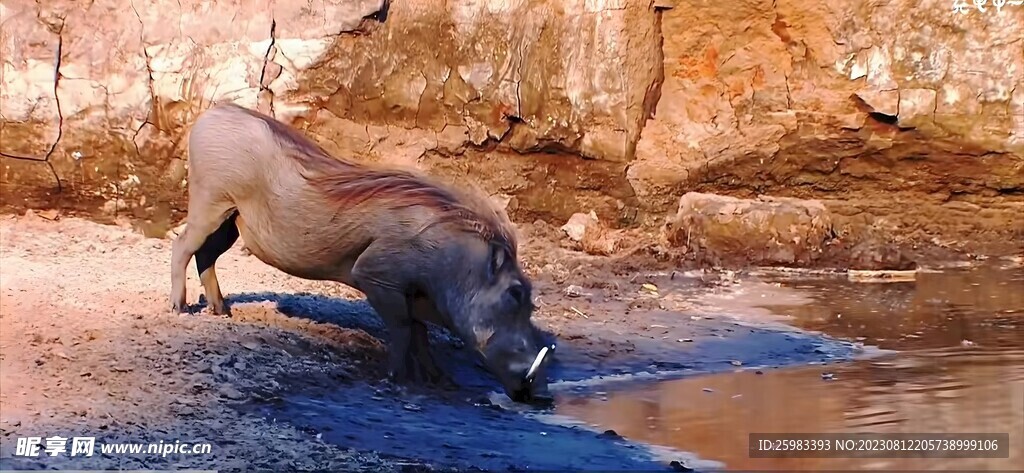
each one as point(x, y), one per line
point(230, 392)
point(609, 434)
point(49, 214)
point(679, 466)
point(577, 225)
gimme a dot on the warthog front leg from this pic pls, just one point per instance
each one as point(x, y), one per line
point(409, 357)
point(391, 307)
point(424, 366)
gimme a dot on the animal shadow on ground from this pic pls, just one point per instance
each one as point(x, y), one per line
point(449, 351)
point(456, 430)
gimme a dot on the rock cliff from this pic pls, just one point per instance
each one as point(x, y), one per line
point(904, 114)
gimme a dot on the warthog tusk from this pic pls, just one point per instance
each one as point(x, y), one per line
point(537, 361)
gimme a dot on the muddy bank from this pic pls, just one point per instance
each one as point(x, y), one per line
point(472, 429)
point(294, 379)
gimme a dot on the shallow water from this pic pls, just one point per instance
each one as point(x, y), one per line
point(959, 369)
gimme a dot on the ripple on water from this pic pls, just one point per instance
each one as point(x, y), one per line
point(960, 370)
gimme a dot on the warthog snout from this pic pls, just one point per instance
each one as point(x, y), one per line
point(521, 367)
point(534, 387)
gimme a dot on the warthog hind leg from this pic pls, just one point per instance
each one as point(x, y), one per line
point(215, 245)
point(201, 224)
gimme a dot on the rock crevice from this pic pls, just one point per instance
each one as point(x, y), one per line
point(59, 116)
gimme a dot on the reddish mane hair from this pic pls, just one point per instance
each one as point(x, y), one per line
point(348, 183)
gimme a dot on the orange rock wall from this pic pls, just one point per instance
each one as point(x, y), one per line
point(900, 114)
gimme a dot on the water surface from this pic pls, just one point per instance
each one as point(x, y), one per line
point(960, 368)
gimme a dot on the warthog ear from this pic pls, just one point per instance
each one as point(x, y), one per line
point(497, 260)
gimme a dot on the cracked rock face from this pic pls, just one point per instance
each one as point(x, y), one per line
point(860, 105)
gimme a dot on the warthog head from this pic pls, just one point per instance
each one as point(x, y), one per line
point(498, 308)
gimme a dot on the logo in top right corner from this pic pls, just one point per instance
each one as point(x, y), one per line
point(963, 7)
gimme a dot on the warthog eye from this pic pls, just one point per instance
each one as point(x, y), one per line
point(518, 293)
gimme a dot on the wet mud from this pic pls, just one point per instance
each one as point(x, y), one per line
point(477, 428)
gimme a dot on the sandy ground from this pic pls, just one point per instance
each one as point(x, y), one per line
point(88, 347)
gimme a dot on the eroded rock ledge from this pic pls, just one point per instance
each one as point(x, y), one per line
point(902, 114)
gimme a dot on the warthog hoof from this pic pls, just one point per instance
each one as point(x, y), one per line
point(535, 399)
point(421, 370)
point(218, 310)
point(180, 309)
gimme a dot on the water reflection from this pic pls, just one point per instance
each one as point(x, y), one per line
point(982, 305)
point(940, 385)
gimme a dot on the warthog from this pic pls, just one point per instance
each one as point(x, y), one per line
point(420, 250)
